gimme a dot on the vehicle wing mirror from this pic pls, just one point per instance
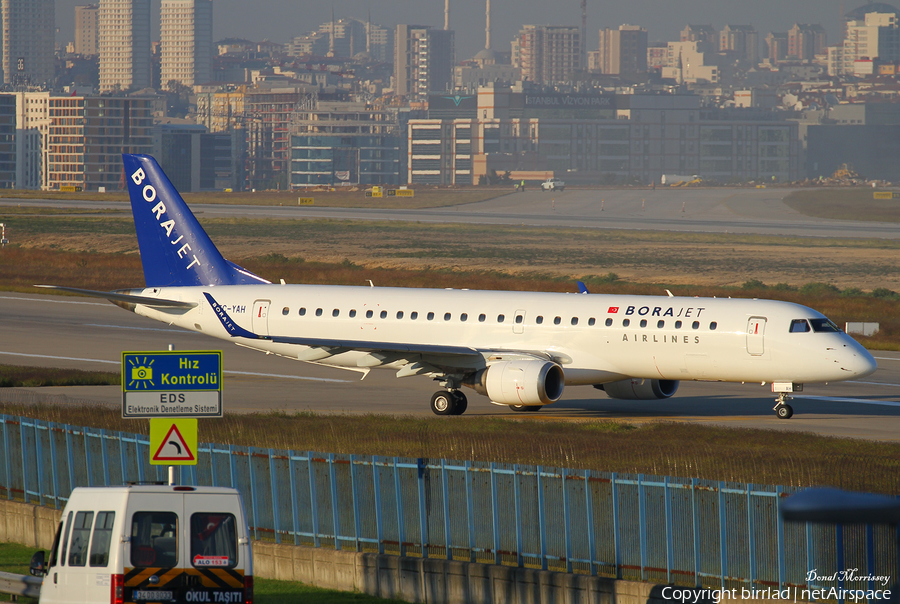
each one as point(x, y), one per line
point(38, 564)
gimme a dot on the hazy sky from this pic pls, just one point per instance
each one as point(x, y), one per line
point(281, 20)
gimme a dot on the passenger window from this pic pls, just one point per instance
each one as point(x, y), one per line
point(660, 324)
point(464, 317)
point(501, 318)
point(609, 322)
point(574, 320)
point(592, 321)
point(302, 312)
point(713, 325)
point(539, 319)
point(399, 314)
point(413, 315)
point(352, 312)
point(213, 540)
point(643, 322)
point(65, 544)
point(383, 314)
point(519, 319)
point(557, 320)
point(799, 326)
point(481, 318)
point(81, 534)
point(446, 316)
point(285, 311)
point(626, 322)
point(430, 316)
point(677, 324)
point(369, 314)
point(101, 539)
point(695, 325)
point(335, 312)
point(318, 312)
point(154, 539)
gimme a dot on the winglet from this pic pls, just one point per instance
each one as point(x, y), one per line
point(235, 330)
point(582, 288)
point(175, 250)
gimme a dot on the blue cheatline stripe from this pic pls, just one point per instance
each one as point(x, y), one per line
point(712, 530)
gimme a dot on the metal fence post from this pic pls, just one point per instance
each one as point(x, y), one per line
point(355, 499)
point(423, 512)
point(379, 513)
point(542, 526)
point(723, 536)
point(273, 480)
point(780, 528)
point(335, 507)
point(615, 507)
point(642, 523)
point(751, 537)
point(104, 456)
point(520, 560)
point(670, 536)
point(567, 520)
point(313, 501)
point(589, 511)
point(123, 460)
point(470, 511)
point(23, 450)
point(398, 493)
point(445, 491)
point(495, 514)
point(70, 454)
point(6, 456)
point(39, 464)
point(87, 456)
point(54, 474)
point(295, 503)
point(695, 515)
point(253, 500)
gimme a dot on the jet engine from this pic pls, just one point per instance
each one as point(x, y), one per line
point(634, 389)
point(526, 382)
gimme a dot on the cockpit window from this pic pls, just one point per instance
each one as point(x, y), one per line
point(824, 326)
point(799, 326)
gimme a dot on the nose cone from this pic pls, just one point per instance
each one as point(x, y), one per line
point(857, 361)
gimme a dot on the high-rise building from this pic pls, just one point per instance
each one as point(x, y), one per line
point(423, 60)
point(28, 41)
point(705, 35)
point(186, 39)
point(742, 40)
point(32, 130)
point(124, 45)
point(805, 41)
point(777, 45)
point(87, 29)
point(549, 53)
point(623, 50)
point(875, 36)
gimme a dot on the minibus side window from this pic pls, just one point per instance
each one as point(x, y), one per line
point(81, 534)
point(213, 540)
point(102, 537)
point(154, 539)
point(65, 544)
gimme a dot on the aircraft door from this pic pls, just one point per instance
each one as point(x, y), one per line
point(519, 322)
point(756, 329)
point(261, 317)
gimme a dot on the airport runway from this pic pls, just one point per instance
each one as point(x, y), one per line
point(713, 210)
point(57, 331)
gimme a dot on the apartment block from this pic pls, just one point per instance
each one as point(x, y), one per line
point(742, 41)
point(7, 141)
point(423, 60)
point(186, 42)
point(805, 41)
point(549, 53)
point(623, 50)
point(28, 41)
point(87, 30)
point(124, 45)
point(32, 132)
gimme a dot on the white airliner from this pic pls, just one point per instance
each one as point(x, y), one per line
point(519, 349)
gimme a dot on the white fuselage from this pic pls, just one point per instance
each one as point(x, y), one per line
point(595, 338)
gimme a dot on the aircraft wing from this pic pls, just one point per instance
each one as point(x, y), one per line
point(116, 297)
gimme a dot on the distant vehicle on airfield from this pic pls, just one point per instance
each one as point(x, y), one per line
point(553, 184)
point(519, 349)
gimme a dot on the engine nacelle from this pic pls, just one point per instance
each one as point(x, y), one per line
point(527, 382)
point(634, 389)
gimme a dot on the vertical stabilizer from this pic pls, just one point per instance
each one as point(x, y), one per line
point(175, 250)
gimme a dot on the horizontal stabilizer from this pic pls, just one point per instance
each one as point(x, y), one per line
point(114, 297)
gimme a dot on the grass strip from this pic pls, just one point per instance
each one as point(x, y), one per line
point(655, 448)
point(16, 376)
point(15, 558)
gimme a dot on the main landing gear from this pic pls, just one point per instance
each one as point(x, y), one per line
point(782, 409)
point(449, 402)
point(525, 408)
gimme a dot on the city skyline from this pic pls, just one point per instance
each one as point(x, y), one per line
point(281, 20)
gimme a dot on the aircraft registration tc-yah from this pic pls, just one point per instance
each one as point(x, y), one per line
point(519, 349)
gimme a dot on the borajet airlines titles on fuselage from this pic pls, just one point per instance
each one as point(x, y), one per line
point(519, 349)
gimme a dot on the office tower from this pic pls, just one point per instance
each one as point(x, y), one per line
point(623, 50)
point(549, 53)
point(28, 41)
point(124, 45)
point(186, 39)
point(423, 60)
point(87, 29)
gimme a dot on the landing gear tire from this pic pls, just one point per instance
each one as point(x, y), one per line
point(460, 402)
point(525, 408)
point(784, 411)
point(443, 403)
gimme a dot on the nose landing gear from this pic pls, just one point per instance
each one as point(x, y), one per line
point(782, 409)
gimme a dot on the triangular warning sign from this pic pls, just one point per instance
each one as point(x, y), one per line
point(173, 447)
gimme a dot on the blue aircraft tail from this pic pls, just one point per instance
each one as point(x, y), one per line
point(175, 250)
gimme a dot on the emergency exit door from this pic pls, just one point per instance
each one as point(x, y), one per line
point(756, 331)
point(261, 317)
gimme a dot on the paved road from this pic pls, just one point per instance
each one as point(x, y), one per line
point(89, 334)
point(758, 211)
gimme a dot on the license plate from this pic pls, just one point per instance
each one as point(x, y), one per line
point(151, 595)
